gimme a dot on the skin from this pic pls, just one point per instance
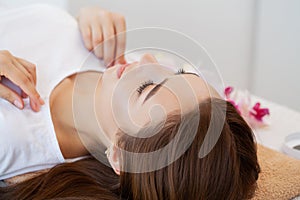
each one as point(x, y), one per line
point(101, 88)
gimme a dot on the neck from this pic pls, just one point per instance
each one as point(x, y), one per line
point(86, 112)
point(73, 113)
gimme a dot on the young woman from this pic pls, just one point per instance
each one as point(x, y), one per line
point(167, 134)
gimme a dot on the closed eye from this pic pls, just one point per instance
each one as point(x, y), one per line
point(143, 86)
point(180, 71)
point(154, 90)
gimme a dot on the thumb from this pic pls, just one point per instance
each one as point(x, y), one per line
point(11, 96)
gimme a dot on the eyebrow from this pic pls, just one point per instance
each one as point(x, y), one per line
point(158, 86)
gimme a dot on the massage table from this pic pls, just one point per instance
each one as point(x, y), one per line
point(282, 121)
point(280, 173)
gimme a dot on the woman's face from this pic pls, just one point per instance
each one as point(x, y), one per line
point(135, 95)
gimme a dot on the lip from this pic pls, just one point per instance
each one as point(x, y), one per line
point(122, 68)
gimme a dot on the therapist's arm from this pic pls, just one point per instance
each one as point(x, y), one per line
point(22, 73)
point(99, 26)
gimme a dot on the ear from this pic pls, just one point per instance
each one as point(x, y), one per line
point(113, 156)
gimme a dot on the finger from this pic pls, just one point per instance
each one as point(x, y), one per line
point(120, 29)
point(18, 78)
point(34, 106)
point(97, 40)
point(109, 42)
point(30, 67)
point(24, 95)
point(23, 70)
point(85, 30)
point(11, 96)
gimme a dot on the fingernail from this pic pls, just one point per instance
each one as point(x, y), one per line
point(37, 107)
point(41, 101)
point(18, 104)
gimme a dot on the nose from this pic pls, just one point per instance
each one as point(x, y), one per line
point(147, 59)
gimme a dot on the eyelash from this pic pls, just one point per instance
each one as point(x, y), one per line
point(144, 85)
point(150, 82)
point(181, 71)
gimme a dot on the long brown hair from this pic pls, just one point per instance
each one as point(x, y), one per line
point(229, 171)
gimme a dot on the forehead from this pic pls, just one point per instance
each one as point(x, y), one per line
point(191, 84)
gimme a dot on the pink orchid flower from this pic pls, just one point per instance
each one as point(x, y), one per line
point(253, 115)
point(258, 112)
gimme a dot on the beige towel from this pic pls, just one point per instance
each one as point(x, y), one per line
point(279, 177)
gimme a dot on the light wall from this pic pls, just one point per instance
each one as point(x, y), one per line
point(276, 62)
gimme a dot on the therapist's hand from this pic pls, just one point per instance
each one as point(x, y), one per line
point(22, 73)
point(98, 25)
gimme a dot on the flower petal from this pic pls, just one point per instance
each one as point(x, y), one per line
point(258, 112)
point(228, 91)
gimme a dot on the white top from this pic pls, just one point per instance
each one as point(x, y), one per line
point(48, 37)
